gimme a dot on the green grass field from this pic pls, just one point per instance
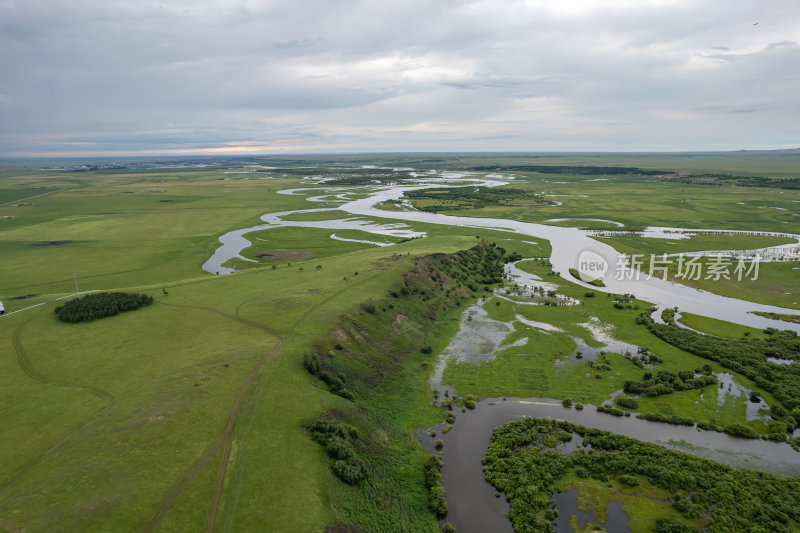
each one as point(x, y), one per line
point(125, 423)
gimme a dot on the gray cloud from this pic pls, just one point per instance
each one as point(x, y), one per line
point(97, 76)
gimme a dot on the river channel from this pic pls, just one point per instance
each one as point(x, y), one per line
point(473, 506)
point(569, 245)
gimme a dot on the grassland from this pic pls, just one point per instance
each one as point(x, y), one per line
point(137, 406)
point(189, 414)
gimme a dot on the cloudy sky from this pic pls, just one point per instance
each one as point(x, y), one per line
point(103, 77)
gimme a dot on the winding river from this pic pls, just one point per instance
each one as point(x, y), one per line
point(570, 246)
point(472, 502)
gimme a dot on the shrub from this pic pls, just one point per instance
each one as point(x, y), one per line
point(369, 307)
point(437, 501)
point(348, 472)
point(740, 430)
point(337, 439)
point(469, 401)
point(333, 382)
point(434, 484)
point(628, 480)
point(628, 403)
point(311, 362)
point(566, 402)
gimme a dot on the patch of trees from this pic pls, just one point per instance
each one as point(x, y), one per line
point(354, 176)
point(627, 403)
point(746, 356)
point(522, 462)
point(435, 485)
point(666, 382)
point(472, 197)
point(100, 305)
point(338, 440)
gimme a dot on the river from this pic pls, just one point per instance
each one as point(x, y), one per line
point(568, 246)
point(473, 506)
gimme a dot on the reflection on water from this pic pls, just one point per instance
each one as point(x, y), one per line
point(567, 506)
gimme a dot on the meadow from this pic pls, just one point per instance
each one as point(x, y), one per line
point(191, 413)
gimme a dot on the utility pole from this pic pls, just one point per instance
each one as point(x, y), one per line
point(77, 292)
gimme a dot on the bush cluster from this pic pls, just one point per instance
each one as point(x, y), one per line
point(337, 438)
point(435, 485)
point(666, 382)
point(627, 403)
point(335, 383)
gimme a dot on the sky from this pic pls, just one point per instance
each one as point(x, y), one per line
point(216, 77)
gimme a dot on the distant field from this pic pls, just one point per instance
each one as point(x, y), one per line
point(697, 243)
point(637, 201)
